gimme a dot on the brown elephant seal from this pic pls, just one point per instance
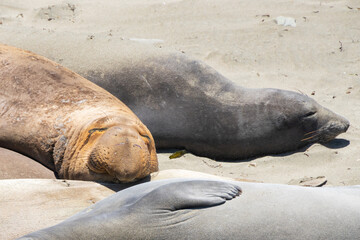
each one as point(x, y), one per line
point(185, 103)
point(69, 124)
point(210, 209)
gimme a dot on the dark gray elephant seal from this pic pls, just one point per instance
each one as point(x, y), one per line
point(185, 103)
point(205, 209)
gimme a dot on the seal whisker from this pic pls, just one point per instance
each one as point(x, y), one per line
point(305, 139)
point(301, 92)
point(311, 132)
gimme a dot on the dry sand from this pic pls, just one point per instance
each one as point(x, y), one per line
point(319, 57)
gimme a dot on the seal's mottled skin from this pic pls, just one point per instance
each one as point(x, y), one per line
point(207, 209)
point(70, 125)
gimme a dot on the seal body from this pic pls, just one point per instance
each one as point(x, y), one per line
point(206, 209)
point(69, 124)
point(15, 165)
point(42, 207)
point(187, 104)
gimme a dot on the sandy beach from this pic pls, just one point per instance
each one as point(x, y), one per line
point(318, 57)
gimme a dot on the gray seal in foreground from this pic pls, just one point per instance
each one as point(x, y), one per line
point(185, 103)
point(207, 209)
point(68, 124)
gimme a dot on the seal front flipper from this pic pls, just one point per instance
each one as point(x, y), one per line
point(189, 195)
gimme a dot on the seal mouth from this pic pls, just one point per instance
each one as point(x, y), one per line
point(332, 130)
point(95, 164)
point(122, 179)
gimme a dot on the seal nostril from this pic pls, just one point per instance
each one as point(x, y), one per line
point(346, 126)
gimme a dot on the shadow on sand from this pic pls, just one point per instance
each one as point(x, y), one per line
point(121, 186)
point(337, 143)
point(333, 144)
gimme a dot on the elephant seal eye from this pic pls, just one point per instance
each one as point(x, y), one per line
point(148, 142)
point(309, 114)
point(146, 136)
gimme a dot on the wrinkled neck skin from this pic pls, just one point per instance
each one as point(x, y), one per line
point(73, 130)
point(71, 152)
